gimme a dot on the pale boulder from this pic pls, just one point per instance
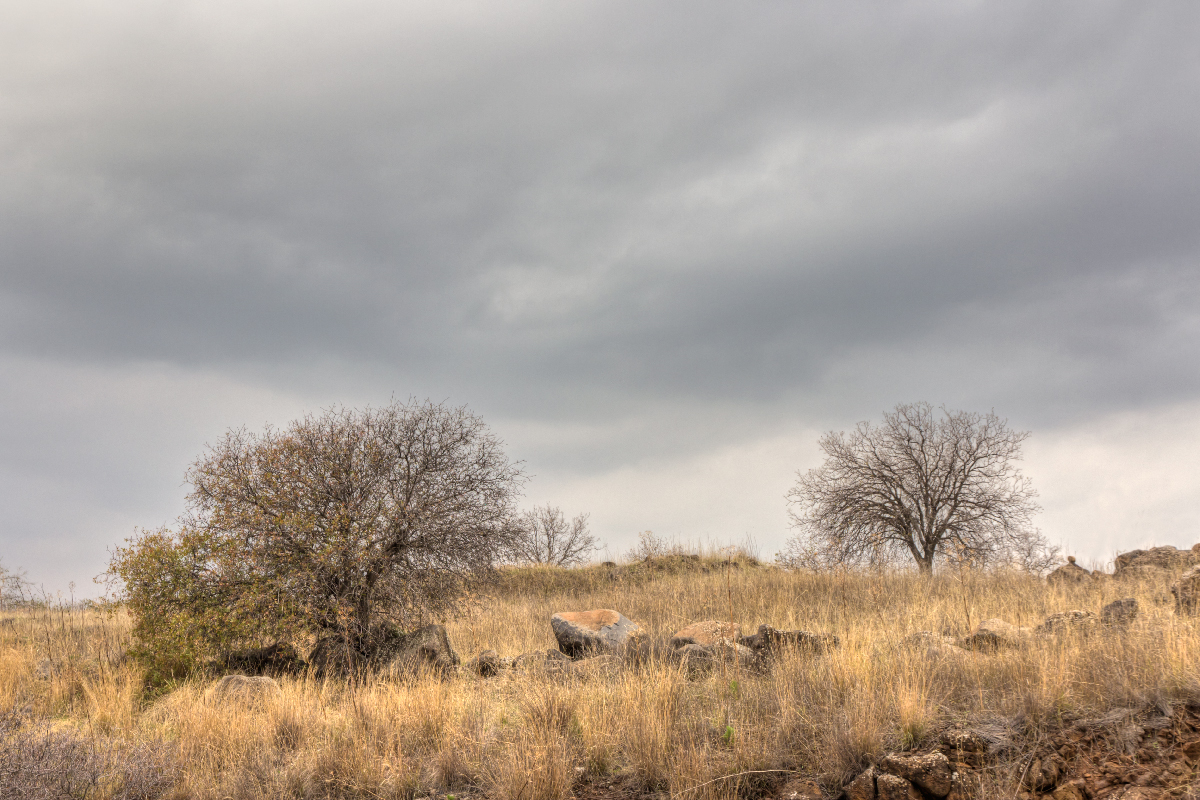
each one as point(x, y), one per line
point(598, 632)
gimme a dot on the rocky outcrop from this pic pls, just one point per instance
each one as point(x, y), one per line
point(601, 631)
point(1070, 574)
point(995, 634)
point(244, 690)
point(1156, 561)
point(1187, 593)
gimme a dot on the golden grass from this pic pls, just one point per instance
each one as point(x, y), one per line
point(539, 737)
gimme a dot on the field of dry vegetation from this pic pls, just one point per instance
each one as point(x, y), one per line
point(78, 720)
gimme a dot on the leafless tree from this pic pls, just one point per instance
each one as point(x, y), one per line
point(547, 538)
point(921, 484)
point(335, 523)
point(14, 588)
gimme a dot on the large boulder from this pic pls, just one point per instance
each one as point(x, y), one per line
point(1069, 574)
point(598, 632)
point(1187, 593)
point(244, 690)
point(995, 634)
point(707, 633)
point(1154, 562)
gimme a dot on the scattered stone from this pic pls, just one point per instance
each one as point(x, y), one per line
point(488, 664)
point(276, 659)
point(1119, 612)
point(799, 789)
point(892, 787)
point(696, 659)
point(1044, 773)
point(1153, 562)
point(539, 659)
point(707, 633)
point(581, 633)
point(243, 690)
point(931, 644)
point(605, 666)
point(1064, 621)
point(930, 772)
point(1069, 574)
point(770, 640)
point(862, 787)
point(425, 649)
point(995, 634)
point(1187, 593)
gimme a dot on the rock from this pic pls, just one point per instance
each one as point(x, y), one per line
point(425, 649)
point(696, 659)
point(770, 641)
point(1069, 574)
point(276, 659)
point(488, 664)
point(930, 772)
point(862, 787)
point(1044, 773)
point(581, 633)
point(1070, 791)
point(995, 634)
point(1187, 593)
point(891, 787)
point(800, 789)
point(243, 690)
point(1153, 562)
point(707, 633)
point(1064, 621)
point(965, 747)
point(1119, 612)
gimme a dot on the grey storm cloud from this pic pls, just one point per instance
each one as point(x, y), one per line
point(583, 211)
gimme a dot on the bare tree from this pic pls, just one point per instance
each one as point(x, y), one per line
point(547, 538)
point(338, 522)
point(14, 588)
point(921, 484)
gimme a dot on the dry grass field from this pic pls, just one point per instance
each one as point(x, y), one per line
point(77, 718)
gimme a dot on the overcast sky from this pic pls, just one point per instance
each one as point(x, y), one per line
point(659, 247)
